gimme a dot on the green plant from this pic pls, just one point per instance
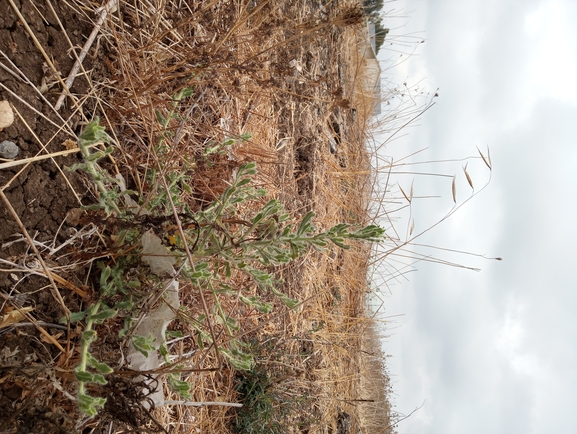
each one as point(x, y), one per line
point(225, 242)
point(235, 234)
point(89, 369)
point(108, 187)
point(89, 404)
point(177, 181)
point(272, 402)
point(261, 411)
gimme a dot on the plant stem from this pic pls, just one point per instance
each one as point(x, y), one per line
point(85, 344)
point(96, 176)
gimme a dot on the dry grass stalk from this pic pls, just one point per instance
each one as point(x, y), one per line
point(103, 11)
point(22, 161)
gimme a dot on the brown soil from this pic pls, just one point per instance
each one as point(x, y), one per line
point(41, 194)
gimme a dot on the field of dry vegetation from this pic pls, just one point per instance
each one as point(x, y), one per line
point(187, 92)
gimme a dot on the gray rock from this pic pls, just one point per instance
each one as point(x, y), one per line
point(8, 149)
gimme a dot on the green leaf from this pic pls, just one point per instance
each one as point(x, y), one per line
point(74, 167)
point(93, 133)
point(179, 386)
point(101, 367)
point(99, 379)
point(104, 315)
point(318, 242)
point(256, 303)
point(128, 323)
point(257, 218)
point(289, 302)
point(184, 93)
point(247, 169)
point(238, 360)
point(163, 350)
point(305, 225)
point(174, 334)
point(232, 323)
point(201, 266)
point(210, 150)
point(245, 137)
point(95, 157)
point(84, 377)
point(89, 336)
point(370, 233)
point(105, 275)
point(339, 229)
point(143, 344)
point(226, 290)
point(199, 274)
point(124, 304)
point(74, 317)
point(340, 242)
point(88, 404)
point(264, 257)
point(273, 206)
point(160, 118)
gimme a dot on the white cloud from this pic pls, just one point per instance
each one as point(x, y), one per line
point(511, 342)
point(553, 65)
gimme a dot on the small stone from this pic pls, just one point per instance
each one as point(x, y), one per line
point(6, 114)
point(8, 149)
point(73, 216)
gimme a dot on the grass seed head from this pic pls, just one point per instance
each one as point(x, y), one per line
point(487, 163)
point(469, 180)
point(405, 194)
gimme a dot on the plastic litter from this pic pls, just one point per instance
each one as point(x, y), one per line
point(154, 324)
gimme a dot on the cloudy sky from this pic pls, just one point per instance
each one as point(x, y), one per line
point(495, 350)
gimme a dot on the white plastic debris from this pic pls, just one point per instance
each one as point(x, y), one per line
point(154, 324)
point(158, 257)
point(130, 203)
point(6, 114)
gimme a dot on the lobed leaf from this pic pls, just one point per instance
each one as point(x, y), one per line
point(88, 404)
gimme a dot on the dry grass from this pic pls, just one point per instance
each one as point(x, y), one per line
point(284, 72)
